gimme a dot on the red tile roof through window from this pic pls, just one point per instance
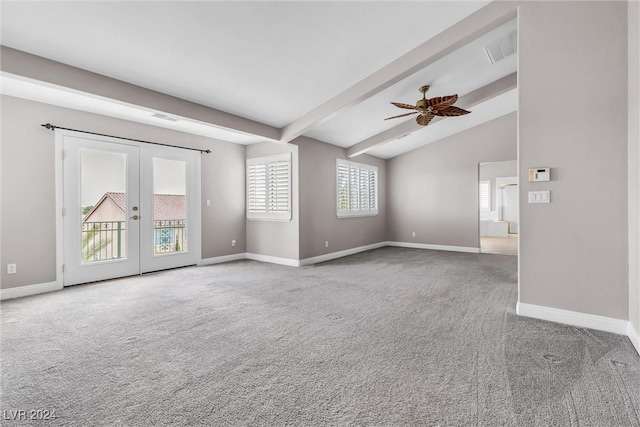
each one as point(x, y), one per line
point(165, 206)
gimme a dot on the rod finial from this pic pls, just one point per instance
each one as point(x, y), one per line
point(49, 126)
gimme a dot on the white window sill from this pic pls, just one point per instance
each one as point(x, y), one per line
point(355, 214)
point(270, 219)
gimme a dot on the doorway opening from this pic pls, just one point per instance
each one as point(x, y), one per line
point(498, 207)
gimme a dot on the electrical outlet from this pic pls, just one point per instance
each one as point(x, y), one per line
point(326, 244)
point(233, 243)
point(11, 268)
point(413, 234)
point(208, 202)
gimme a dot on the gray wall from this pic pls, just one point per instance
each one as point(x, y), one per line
point(276, 238)
point(318, 219)
point(634, 164)
point(573, 118)
point(28, 185)
point(434, 190)
point(493, 170)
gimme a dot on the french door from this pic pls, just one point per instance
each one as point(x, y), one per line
point(127, 208)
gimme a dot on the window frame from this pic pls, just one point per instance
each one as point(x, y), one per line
point(268, 215)
point(351, 213)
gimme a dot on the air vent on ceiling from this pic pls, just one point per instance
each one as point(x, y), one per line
point(505, 46)
point(164, 117)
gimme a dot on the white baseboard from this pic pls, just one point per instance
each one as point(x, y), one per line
point(223, 258)
point(24, 291)
point(435, 247)
point(573, 318)
point(273, 259)
point(333, 255)
point(634, 337)
point(340, 254)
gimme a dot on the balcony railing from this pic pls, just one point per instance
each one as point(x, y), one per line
point(103, 240)
point(170, 236)
point(106, 240)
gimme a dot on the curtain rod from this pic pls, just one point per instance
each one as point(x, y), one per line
point(53, 127)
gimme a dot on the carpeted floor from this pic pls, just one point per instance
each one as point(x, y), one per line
point(387, 337)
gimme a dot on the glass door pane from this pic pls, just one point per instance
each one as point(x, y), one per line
point(103, 205)
point(169, 206)
point(100, 216)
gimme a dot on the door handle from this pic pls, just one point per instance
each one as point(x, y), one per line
point(135, 217)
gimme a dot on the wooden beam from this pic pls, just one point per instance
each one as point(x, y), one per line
point(456, 36)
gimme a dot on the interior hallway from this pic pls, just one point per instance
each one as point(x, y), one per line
point(499, 245)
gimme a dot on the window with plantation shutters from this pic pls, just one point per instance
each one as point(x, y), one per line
point(357, 189)
point(269, 188)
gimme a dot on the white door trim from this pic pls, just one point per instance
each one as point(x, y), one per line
point(59, 156)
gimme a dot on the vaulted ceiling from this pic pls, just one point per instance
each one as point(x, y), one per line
point(325, 70)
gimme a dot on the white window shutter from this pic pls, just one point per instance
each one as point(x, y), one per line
point(373, 189)
point(356, 189)
point(269, 188)
point(343, 187)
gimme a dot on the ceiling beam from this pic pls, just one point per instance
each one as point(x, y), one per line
point(482, 94)
point(451, 39)
point(19, 63)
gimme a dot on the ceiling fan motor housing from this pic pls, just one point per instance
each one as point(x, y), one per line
point(422, 105)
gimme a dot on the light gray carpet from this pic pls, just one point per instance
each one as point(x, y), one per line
point(387, 337)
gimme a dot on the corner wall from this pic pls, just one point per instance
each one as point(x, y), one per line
point(434, 190)
point(278, 239)
point(318, 219)
point(28, 185)
point(634, 169)
point(572, 83)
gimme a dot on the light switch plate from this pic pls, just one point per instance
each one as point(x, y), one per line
point(539, 197)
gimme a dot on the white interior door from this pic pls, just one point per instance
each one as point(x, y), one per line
point(129, 208)
point(101, 193)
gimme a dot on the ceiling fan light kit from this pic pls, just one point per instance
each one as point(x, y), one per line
point(427, 109)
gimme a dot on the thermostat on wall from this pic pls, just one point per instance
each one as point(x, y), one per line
point(539, 174)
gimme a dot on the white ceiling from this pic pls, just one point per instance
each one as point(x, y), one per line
point(270, 61)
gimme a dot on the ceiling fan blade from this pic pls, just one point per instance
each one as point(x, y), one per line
point(424, 119)
point(442, 102)
point(452, 111)
point(406, 106)
point(402, 115)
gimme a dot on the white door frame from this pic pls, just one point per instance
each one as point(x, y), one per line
point(59, 194)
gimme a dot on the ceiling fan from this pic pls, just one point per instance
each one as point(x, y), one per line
point(429, 108)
